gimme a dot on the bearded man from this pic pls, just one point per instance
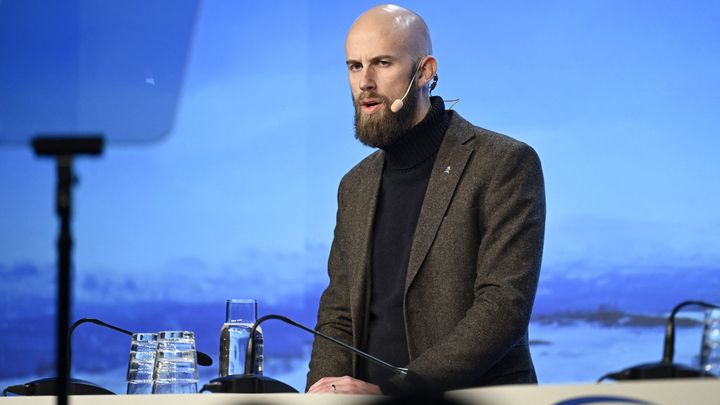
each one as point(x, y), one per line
point(438, 241)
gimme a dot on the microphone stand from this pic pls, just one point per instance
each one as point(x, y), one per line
point(64, 149)
point(250, 353)
point(253, 383)
point(51, 386)
point(665, 368)
point(202, 358)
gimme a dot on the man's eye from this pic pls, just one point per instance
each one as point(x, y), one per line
point(355, 67)
point(384, 63)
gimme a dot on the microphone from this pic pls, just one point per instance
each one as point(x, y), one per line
point(253, 383)
point(202, 358)
point(49, 386)
point(665, 368)
point(250, 353)
point(398, 104)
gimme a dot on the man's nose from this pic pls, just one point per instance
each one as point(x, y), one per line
point(367, 80)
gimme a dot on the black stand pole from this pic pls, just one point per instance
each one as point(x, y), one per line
point(63, 202)
point(64, 149)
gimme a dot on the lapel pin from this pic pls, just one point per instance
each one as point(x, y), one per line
point(447, 170)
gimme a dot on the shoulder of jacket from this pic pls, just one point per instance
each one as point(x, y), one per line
point(484, 140)
point(361, 169)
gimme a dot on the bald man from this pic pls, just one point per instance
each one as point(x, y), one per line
point(439, 233)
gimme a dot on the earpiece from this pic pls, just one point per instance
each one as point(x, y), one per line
point(434, 83)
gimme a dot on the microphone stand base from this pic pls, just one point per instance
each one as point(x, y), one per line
point(653, 371)
point(49, 386)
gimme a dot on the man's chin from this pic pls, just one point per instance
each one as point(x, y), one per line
point(372, 143)
point(376, 129)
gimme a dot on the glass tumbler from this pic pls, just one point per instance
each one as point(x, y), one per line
point(240, 316)
point(175, 370)
point(140, 365)
point(710, 350)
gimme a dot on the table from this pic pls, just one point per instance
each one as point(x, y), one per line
point(655, 392)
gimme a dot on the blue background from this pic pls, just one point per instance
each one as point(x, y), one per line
point(620, 99)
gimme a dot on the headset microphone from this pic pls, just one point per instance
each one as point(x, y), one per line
point(398, 104)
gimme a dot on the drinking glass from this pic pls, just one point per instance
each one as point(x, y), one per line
point(175, 370)
point(140, 365)
point(710, 350)
point(240, 316)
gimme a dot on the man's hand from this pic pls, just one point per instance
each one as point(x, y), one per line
point(344, 385)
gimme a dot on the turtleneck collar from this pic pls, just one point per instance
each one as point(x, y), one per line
point(419, 142)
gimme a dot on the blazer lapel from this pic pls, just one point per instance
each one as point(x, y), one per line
point(447, 170)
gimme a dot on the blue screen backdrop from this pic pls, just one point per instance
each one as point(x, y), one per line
point(620, 99)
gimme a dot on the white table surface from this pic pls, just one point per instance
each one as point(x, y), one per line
point(657, 392)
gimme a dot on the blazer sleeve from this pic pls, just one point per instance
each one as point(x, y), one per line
point(334, 318)
point(512, 224)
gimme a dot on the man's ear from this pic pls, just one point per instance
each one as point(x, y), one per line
point(428, 71)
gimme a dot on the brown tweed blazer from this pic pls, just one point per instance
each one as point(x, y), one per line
point(473, 268)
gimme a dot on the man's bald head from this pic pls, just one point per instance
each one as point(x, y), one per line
point(403, 26)
point(388, 55)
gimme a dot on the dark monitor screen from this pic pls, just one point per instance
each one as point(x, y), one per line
point(74, 67)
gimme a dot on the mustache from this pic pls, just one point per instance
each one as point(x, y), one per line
point(369, 94)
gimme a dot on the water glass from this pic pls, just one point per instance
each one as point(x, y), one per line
point(140, 365)
point(710, 350)
point(175, 370)
point(240, 316)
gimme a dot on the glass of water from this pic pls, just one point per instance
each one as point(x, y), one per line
point(140, 365)
point(710, 350)
point(175, 370)
point(240, 316)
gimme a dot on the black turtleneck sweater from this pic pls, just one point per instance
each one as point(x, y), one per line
point(408, 164)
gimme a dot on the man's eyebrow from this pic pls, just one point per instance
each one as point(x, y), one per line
point(372, 60)
point(377, 58)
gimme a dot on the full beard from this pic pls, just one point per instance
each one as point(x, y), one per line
point(383, 127)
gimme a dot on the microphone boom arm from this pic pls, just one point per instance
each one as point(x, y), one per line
point(669, 347)
point(202, 358)
point(250, 352)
